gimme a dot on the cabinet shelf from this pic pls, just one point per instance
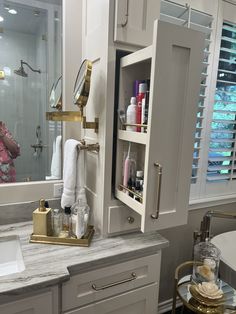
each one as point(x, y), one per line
point(134, 137)
point(136, 57)
point(129, 201)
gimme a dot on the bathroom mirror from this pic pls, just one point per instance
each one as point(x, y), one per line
point(82, 84)
point(55, 99)
point(30, 63)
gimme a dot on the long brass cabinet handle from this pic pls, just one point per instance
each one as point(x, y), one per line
point(159, 178)
point(133, 277)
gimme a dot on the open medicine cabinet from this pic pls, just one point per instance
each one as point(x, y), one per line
point(165, 151)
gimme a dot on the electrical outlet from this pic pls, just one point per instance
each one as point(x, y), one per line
point(58, 188)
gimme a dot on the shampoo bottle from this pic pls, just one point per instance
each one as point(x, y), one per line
point(131, 114)
point(42, 224)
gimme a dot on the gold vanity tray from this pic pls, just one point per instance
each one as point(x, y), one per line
point(85, 241)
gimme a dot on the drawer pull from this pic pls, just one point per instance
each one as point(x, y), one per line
point(133, 276)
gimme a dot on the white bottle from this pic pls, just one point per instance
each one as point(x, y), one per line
point(131, 114)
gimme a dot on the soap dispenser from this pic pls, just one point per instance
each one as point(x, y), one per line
point(42, 224)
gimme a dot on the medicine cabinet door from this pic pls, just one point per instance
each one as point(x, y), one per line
point(175, 84)
point(165, 151)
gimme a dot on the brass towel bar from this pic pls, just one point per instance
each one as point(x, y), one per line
point(89, 147)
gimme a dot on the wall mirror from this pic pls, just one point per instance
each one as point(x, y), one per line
point(30, 64)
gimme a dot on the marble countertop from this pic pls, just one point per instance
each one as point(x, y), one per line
point(48, 265)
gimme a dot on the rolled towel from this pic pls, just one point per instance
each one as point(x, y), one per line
point(69, 173)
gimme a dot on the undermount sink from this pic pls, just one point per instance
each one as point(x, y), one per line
point(226, 242)
point(11, 258)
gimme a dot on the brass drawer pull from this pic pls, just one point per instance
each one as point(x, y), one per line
point(159, 177)
point(133, 276)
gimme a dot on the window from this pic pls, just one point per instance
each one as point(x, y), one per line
point(221, 155)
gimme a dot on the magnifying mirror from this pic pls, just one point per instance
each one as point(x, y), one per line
point(55, 99)
point(82, 84)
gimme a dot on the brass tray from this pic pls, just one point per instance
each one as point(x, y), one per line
point(85, 241)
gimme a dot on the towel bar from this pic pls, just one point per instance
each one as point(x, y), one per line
point(89, 147)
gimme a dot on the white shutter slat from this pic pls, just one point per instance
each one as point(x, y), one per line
point(217, 159)
point(218, 178)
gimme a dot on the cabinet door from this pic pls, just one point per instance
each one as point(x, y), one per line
point(134, 21)
point(33, 305)
point(140, 301)
point(173, 64)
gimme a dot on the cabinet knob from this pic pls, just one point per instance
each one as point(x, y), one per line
point(130, 219)
point(159, 178)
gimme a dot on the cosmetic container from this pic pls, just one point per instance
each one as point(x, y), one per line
point(80, 217)
point(127, 165)
point(57, 221)
point(139, 180)
point(66, 223)
point(141, 95)
point(131, 114)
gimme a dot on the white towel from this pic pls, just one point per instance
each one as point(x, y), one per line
point(73, 174)
point(56, 160)
point(80, 191)
point(69, 172)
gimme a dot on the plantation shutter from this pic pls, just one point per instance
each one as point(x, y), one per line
point(186, 16)
point(221, 156)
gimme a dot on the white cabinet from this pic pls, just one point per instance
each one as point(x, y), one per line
point(134, 21)
point(173, 65)
point(38, 304)
point(140, 301)
point(128, 287)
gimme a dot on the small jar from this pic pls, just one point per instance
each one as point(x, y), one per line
point(57, 222)
point(208, 257)
point(139, 180)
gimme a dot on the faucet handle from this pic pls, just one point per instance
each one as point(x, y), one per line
point(196, 235)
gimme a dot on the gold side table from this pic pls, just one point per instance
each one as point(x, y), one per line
point(181, 290)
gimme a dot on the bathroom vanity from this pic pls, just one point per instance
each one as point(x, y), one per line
point(119, 274)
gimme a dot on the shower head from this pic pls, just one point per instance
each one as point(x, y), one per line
point(21, 70)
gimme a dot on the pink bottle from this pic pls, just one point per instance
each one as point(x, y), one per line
point(127, 166)
point(141, 95)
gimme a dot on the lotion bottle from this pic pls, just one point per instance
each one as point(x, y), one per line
point(131, 114)
point(42, 224)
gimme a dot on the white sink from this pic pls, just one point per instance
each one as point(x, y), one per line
point(11, 258)
point(226, 242)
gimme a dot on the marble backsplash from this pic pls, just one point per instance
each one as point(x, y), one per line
point(13, 213)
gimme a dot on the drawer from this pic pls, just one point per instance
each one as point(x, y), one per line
point(105, 282)
point(139, 301)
